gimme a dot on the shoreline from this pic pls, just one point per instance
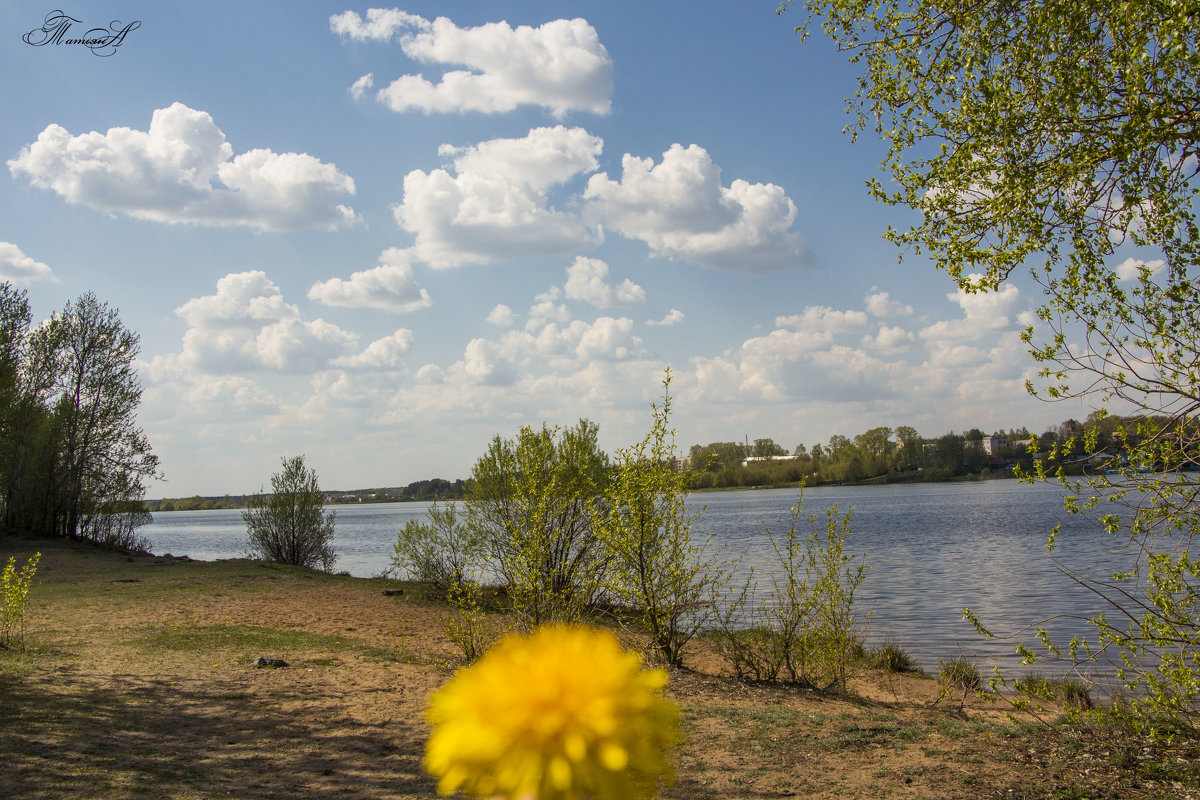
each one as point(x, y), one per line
point(140, 679)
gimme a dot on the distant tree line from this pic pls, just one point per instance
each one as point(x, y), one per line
point(197, 503)
point(898, 454)
point(879, 455)
point(73, 461)
point(430, 489)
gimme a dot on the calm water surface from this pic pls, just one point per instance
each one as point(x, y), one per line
point(933, 550)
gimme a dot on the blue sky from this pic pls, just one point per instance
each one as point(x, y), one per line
point(380, 236)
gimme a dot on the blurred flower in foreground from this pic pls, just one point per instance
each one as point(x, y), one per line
point(561, 714)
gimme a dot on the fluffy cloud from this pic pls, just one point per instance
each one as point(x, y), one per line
point(500, 315)
point(167, 174)
point(430, 374)
point(889, 340)
point(243, 299)
point(289, 346)
point(382, 354)
point(391, 287)
point(483, 363)
point(362, 85)
point(586, 281)
point(674, 316)
point(826, 355)
point(981, 348)
point(680, 209)
point(788, 366)
point(560, 65)
point(880, 304)
point(985, 314)
point(380, 24)
point(608, 339)
point(494, 206)
point(546, 307)
point(550, 338)
point(247, 326)
point(1129, 269)
point(17, 267)
point(822, 319)
point(217, 397)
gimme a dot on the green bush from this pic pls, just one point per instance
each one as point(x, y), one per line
point(469, 628)
point(290, 525)
point(753, 653)
point(890, 657)
point(15, 586)
point(441, 552)
point(656, 569)
point(808, 632)
point(959, 676)
point(531, 501)
point(1070, 692)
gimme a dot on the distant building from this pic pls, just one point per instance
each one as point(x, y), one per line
point(751, 459)
point(994, 444)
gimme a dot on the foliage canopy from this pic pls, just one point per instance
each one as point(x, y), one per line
point(1061, 136)
point(73, 460)
point(1053, 130)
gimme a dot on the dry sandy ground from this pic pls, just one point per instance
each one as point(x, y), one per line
point(140, 681)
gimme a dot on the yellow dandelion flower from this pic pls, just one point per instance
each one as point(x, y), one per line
point(561, 714)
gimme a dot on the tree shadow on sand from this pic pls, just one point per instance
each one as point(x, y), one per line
point(63, 735)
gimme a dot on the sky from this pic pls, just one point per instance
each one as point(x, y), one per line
point(381, 236)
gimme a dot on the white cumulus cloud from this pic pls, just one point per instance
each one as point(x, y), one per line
point(985, 314)
point(823, 319)
point(1129, 269)
point(609, 339)
point(247, 326)
point(182, 170)
point(880, 304)
point(483, 363)
point(382, 354)
point(560, 65)
point(17, 267)
point(587, 281)
point(242, 299)
point(500, 315)
point(890, 340)
point(362, 85)
point(681, 210)
point(380, 24)
point(673, 317)
point(494, 205)
point(390, 286)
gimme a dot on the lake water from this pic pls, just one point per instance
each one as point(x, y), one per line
point(933, 550)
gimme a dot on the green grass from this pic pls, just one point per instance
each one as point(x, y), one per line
point(1070, 692)
point(877, 730)
point(890, 657)
point(250, 639)
point(959, 674)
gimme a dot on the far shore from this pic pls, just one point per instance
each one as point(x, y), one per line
point(360, 496)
